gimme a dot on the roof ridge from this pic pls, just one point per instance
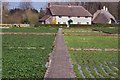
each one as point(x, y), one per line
point(86, 10)
point(69, 11)
point(67, 5)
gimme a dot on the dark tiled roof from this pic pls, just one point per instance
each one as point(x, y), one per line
point(65, 10)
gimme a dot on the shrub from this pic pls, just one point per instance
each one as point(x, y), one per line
point(79, 25)
point(25, 21)
point(50, 25)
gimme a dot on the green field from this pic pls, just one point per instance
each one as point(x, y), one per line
point(25, 56)
point(0, 64)
point(0, 56)
point(95, 64)
point(92, 41)
point(92, 30)
point(110, 30)
point(32, 29)
point(92, 64)
point(87, 30)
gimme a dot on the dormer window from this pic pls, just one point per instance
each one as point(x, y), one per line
point(69, 16)
point(60, 16)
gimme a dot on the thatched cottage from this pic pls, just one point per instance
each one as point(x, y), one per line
point(103, 16)
point(66, 14)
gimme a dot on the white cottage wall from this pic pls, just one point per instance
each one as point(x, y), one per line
point(76, 20)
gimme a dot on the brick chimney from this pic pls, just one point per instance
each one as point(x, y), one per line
point(105, 8)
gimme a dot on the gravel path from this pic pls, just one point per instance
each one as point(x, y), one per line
point(60, 65)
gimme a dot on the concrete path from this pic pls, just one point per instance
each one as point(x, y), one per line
point(60, 65)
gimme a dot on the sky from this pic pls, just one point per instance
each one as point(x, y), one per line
point(36, 5)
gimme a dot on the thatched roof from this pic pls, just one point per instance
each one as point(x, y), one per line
point(44, 17)
point(67, 10)
point(102, 16)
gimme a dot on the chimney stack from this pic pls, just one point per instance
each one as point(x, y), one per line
point(69, 5)
point(49, 5)
point(104, 8)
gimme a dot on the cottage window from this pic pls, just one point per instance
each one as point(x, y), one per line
point(60, 16)
point(87, 22)
point(64, 22)
point(78, 22)
point(58, 22)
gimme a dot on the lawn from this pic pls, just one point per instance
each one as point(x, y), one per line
point(91, 41)
point(25, 56)
point(77, 30)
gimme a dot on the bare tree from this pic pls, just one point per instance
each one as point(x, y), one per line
point(5, 5)
point(25, 4)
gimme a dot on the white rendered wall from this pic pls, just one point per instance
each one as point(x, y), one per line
point(109, 22)
point(81, 20)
